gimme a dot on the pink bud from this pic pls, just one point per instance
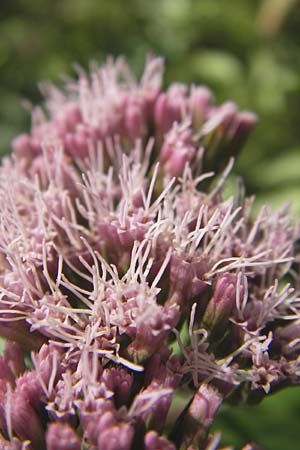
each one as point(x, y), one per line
point(200, 102)
point(119, 381)
point(135, 123)
point(151, 330)
point(221, 304)
point(195, 421)
point(24, 146)
point(25, 422)
point(153, 441)
point(116, 437)
point(169, 108)
point(60, 436)
point(72, 116)
point(204, 405)
point(5, 372)
point(176, 150)
point(28, 388)
point(186, 280)
point(152, 405)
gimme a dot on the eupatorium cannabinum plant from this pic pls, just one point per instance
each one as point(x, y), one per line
point(128, 279)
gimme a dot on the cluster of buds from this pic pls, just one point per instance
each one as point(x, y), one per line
point(127, 279)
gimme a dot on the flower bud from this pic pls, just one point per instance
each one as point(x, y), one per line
point(72, 116)
point(134, 121)
point(60, 436)
point(25, 422)
point(169, 108)
point(28, 388)
point(24, 146)
point(5, 372)
point(220, 305)
point(176, 150)
point(153, 441)
point(193, 425)
point(119, 381)
point(152, 405)
point(14, 357)
point(117, 436)
point(151, 330)
point(200, 102)
point(186, 281)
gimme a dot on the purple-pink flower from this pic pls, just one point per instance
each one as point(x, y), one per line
point(129, 278)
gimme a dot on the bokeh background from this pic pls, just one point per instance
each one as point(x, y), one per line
point(244, 50)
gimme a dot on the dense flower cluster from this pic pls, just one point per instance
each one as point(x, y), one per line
point(129, 277)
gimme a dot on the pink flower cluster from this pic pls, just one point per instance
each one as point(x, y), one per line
point(129, 277)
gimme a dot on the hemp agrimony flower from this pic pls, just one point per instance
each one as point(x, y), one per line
point(127, 274)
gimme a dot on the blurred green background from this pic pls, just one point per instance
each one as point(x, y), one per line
point(245, 50)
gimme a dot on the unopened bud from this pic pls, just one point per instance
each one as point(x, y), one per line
point(14, 357)
point(200, 103)
point(194, 423)
point(153, 441)
point(220, 305)
point(60, 436)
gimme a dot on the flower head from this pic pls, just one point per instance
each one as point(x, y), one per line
point(129, 276)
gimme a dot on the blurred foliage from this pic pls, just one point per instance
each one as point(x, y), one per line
point(245, 50)
point(271, 424)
